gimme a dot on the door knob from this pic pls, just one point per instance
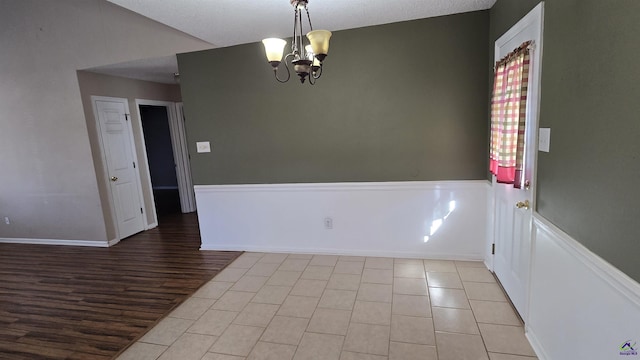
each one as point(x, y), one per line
point(114, 178)
point(522, 204)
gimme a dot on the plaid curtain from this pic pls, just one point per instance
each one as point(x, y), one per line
point(508, 115)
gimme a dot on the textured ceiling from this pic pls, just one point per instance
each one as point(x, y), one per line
point(157, 69)
point(232, 22)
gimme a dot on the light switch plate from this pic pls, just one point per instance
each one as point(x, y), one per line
point(544, 139)
point(203, 146)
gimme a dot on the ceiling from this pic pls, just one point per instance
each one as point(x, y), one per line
point(160, 69)
point(232, 22)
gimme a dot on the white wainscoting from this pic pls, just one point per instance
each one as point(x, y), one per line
point(368, 219)
point(581, 307)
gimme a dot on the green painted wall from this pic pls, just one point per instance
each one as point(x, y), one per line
point(587, 183)
point(404, 101)
point(504, 14)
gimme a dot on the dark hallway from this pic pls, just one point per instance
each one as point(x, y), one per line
point(162, 168)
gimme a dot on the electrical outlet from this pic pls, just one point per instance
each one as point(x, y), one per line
point(328, 223)
point(6, 220)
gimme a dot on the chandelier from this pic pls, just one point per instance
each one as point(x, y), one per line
point(306, 57)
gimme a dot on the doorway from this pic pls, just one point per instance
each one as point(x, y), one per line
point(170, 113)
point(513, 207)
point(162, 164)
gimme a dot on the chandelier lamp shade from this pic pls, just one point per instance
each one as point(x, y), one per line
point(306, 55)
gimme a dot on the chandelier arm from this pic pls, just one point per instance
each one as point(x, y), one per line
point(319, 72)
point(275, 73)
point(308, 18)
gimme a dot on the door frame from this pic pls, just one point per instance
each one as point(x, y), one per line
point(190, 200)
point(103, 156)
point(180, 155)
point(536, 15)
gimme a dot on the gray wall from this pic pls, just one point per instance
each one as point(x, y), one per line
point(405, 101)
point(49, 187)
point(587, 183)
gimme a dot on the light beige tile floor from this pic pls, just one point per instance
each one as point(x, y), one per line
point(329, 307)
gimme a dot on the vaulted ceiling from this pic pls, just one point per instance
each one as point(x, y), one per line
point(231, 22)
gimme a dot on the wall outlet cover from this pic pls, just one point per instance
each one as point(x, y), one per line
point(544, 139)
point(203, 146)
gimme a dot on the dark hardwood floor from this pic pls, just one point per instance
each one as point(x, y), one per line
point(68, 302)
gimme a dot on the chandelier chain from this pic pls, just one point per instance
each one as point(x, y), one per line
point(295, 29)
point(298, 38)
point(309, 18)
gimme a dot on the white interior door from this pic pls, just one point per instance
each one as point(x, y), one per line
point(119, 156)
point(512, 238)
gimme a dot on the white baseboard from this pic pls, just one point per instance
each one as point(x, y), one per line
point(374, 219)
point(581, 307)
point(536, 345)
point(98, 243)
point(357, 252)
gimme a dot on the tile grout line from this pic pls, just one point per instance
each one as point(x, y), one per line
point(316, 308)
point(238, 312)
point(351, 312)
point(484, 343)
point(276, 312)
point(433, 321)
